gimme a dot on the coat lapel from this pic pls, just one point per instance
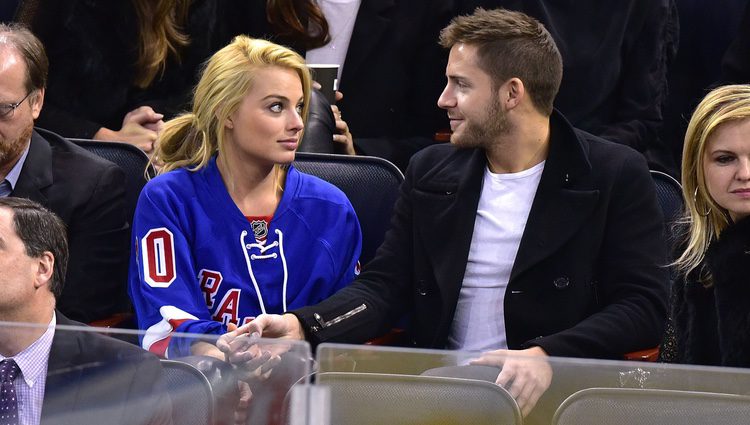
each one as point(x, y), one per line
point(36, 174)
point(563, 202)
point(370, 25)
point(447, 199)
point(63, 375)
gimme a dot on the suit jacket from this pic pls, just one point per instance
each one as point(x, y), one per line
point(88, 193)
point(95, 379)
point(587, 280)
point(394, 70)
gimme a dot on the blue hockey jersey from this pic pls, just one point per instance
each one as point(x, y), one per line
point(198, 264)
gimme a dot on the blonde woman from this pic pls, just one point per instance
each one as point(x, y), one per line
point(228, 230)
point(711, 311)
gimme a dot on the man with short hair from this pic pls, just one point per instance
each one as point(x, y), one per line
point(523, 236)
point(61, 376)
point(87, 192)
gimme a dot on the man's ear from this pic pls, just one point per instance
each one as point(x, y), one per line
point(36, 101)
point(512, 92)
point(45, 269)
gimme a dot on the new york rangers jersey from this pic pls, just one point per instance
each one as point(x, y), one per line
point(198, 264)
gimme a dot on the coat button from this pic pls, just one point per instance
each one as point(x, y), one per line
point(422, 287)
point(561, 282)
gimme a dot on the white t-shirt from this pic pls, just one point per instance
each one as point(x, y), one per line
point(504, 205)
point(341, 16)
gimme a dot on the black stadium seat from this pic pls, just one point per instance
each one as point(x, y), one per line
point(370, 183)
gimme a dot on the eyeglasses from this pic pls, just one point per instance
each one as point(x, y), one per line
point(7, 110)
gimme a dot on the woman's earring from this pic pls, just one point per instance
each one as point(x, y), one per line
point(695, 202)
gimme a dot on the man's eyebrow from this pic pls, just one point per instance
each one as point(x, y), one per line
point(456, 77)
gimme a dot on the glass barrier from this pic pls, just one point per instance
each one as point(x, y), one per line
point(370, 384)
point(79, 375)
point(84, 375)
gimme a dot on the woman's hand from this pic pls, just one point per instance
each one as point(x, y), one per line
point(343, 139)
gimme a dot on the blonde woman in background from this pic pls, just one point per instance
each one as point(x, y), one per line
point(711, 297)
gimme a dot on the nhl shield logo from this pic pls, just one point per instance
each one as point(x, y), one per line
point(260, 229)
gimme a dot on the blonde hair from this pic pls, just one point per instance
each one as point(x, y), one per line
point(703, 217)
point(191, 139)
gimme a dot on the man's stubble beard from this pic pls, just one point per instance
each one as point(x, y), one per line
point(10, 150)
point(481, 134)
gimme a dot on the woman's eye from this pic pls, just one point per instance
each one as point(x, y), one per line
point(300, 107)
point(724, 159)
point(276, 107)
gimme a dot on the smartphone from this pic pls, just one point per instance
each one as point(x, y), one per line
point(327, 76)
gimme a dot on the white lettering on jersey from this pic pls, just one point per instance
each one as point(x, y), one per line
point(157, 251)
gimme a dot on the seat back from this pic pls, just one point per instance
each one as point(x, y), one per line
point(627, 406)
point(374, 398)
point(133, 161)
point(191, 393)
point(320, 126)
point(669, 194)
point(370, 183)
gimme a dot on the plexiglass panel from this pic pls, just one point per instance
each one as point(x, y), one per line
point(570, 391)
point(84, 375)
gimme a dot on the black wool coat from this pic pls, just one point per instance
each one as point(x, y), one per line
point(712, 324)
point(587, 281)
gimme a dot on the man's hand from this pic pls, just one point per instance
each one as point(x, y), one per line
point(285, 326)
point(525, 374)
point(140, 128)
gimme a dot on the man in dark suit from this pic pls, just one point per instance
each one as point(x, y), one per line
point(87, 192)
point(524, 236)
point(62, 375)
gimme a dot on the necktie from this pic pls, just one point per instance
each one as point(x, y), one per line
point(5, 188)
point(8, 403)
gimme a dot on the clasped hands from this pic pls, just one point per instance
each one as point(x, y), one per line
point(253, 362)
